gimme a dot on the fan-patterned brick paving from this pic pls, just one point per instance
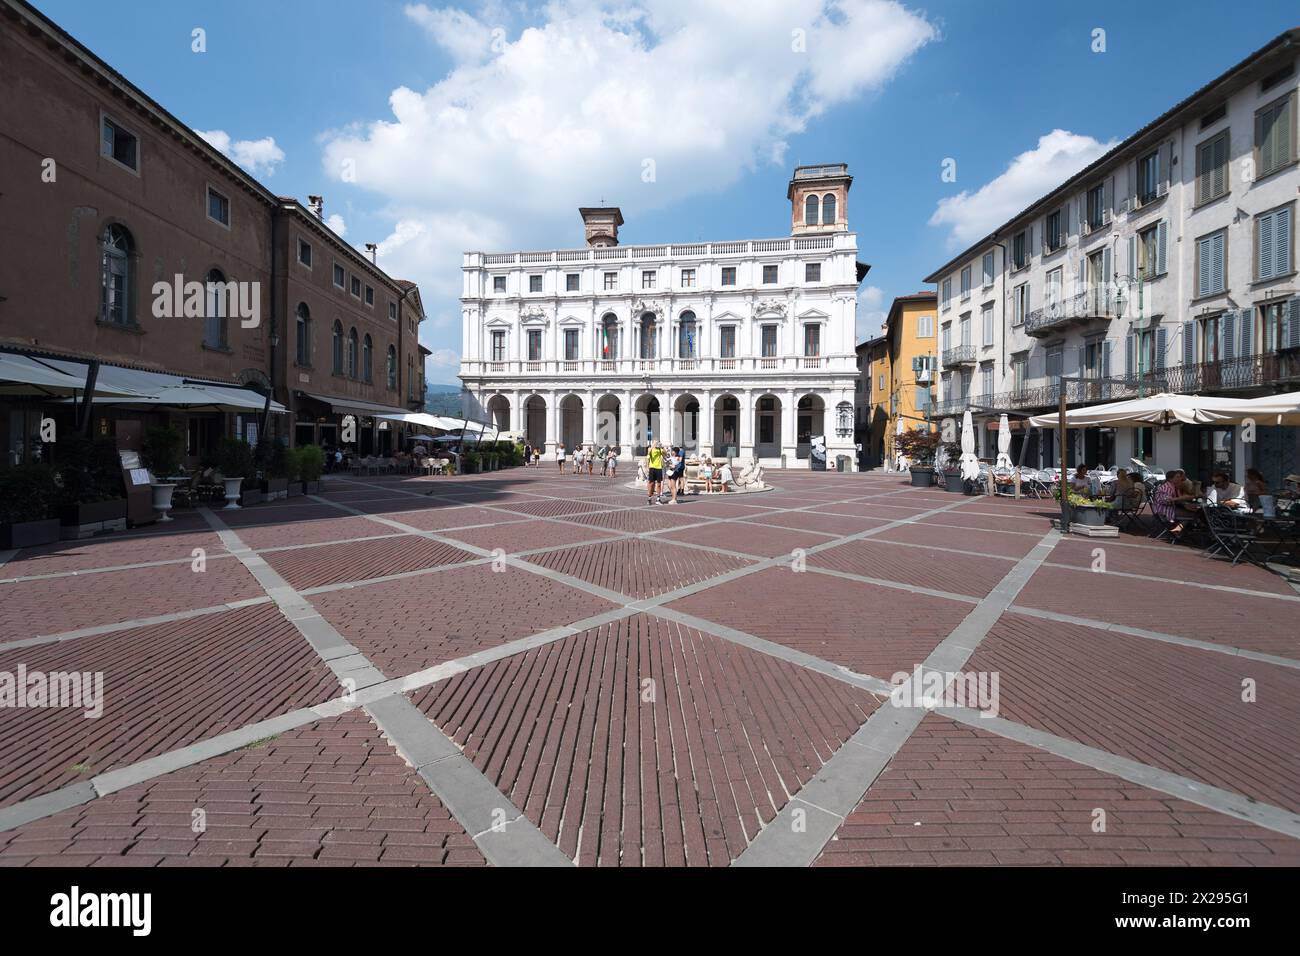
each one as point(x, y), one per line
point(554, 509)
point(338, 527)
point(959, 795)
point(644, 743)
point(164, 686)
point(826, 524)
point(638, 567)
point(963, 539)
point(922, 567)
point(472, 609)
point(361, 560)
point(1255, 623)
point(1179, 564)
point(638, 519)
point(439, 518)
point(1177, 708)
point(332, 793)
point(868, 629)
point(56, 605)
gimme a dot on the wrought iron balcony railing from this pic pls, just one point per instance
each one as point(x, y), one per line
point(959, 355)
point(1084, 307)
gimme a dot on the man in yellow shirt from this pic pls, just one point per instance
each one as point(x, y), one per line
point(654, 467)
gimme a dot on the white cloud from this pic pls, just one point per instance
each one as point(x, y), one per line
point(336, 223)
point(1031, 175)
point(258, 156)
point(870, 315)
point(529, 125)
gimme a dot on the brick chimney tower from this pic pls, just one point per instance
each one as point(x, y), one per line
point(819, 199)
point(601, 224)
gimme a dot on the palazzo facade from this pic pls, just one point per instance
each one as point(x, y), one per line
point(735, 349)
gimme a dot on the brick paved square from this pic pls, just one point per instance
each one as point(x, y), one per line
point(524, 535)
point(164, 686)
point(108, 551)
point(406, 626)
point(272, 803)
point(826, 524)
point(438, 517)
point(869, 629)
point(749, 538)
point(638, 568)
point(922, 567)
point(645, 743)
point(956, 795)
point(362, 560)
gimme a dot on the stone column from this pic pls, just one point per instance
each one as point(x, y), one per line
point(705, 436)
point(625, 416)
point(589, 418)
point(517, 421)
point(746, 424)
point(552, 421)
point(789, 427)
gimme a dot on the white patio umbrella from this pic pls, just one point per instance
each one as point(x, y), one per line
point(1004, 443)
point(970, 465)
point(1168, 409)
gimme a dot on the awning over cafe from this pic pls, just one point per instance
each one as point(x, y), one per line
point(27, 375)
point(1168, 409)
point(353, 406)
point(116, 385)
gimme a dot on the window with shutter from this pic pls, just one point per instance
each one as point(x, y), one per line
point(1212, 168)
point(1275, 135)
point(1189, 343)
point(1162, 243)
point(1228, 332)
point(1128, 355)
point(1293, 323)
point(1246, 317)
point(1273, 243)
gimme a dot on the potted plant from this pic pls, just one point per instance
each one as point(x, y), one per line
point(293, 472)
point(27, 502)
point(311, 462)
point(952, 479)
point(469, 462)
point(90, 494)
point(161, 454)
point(235, 464)
point(919, 445)
point(274, 464)
point(1084, 510)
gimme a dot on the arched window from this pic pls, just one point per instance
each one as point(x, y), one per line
point(366, 351)
point(302, 326)
point(648, 336)
point(810, 211)
point(392, 368)
point(338, 347)
point(828, 209)
point(352, 353)
point(215, 310)
point(115, 276)
point(687, 338)
point(609, 337)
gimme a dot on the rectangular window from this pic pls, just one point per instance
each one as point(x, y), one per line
point(498, 345)
point(1021, 299)
point(945, 295)
point(727, 342)
point(728, 275)
point(611, 281)
point(1272, 322)
point(986, 378)
point(1274, 234)
point(769, 275)
point(534, 345)
point(1054, 231)
point(769, 341)
point(986, 323)
point(648, 279)
point(945, 337)
point(1019, 371)
point(218, 207)
point(812, 340)
point(1096, 206)
point(1212, 169)
point(812, 272)
point(925, 326)
point(1275, 127)
point(392, 311)
point(965, 283)
point(964, 326)
point(304, 252)
point(498, 283)
point(370, 295)
point(340, 277)
point(571, 345)
point(1020, 250)
point(987, 269)
point(571, 282)
point(534, 283)
point(1148, 177)
point(121, 145)
point(1211, 254)
point(1146, 250)
point(1055, 285)
point(1210, 339)
point(688, 278)
point(355, 287)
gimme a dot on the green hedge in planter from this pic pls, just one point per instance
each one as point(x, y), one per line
point(161, 453)
point(234, 459)
point(87, 471)
point(27, 493)
point(310, 461)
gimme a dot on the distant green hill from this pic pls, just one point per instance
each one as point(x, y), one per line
point(442, 400)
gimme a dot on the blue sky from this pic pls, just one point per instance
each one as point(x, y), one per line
point(510, 116)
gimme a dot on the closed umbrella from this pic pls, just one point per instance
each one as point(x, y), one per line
point(970, 465)
point(1004, 443)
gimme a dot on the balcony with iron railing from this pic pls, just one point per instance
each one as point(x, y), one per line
point(1090, 306)
point(958, 355)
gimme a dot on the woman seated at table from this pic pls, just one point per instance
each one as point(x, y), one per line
point(1171, 500)
point(1256, 485)
point(1122, 488)
point(1080, 484)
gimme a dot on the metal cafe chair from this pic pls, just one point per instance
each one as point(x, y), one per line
point(1231, 534)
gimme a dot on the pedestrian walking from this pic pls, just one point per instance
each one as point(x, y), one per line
point(559, 456)
point(611, 463)
point(654, 471)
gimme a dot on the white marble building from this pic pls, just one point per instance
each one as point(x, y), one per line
point(1168, 264)
point(738, 348)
